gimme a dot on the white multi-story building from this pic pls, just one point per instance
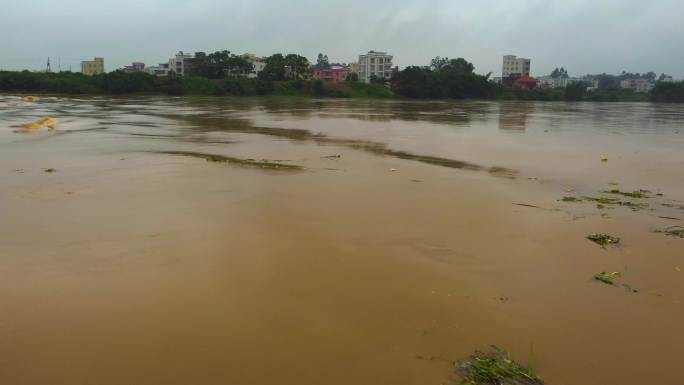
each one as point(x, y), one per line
point(378, 64)
point(181, 64)
point(636, 85)
point(559, 82)
point(161, 70)
point(513, 65)
point(258, 63)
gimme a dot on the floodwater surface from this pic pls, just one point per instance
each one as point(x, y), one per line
point(154, 240)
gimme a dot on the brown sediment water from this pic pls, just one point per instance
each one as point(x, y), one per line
point(394, 251)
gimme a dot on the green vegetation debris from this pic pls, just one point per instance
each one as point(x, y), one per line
point(604, 200)
point(495, 368)
point(50, 170)
point(242, 162)
point(673, 231)
point(571, 199)
point(603, 239)
point(635, 194)
point(607, 278)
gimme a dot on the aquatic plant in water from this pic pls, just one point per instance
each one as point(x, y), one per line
point(604, 200)
point(603, 239)
point(674, 231)
point(607, 278)
point(495, 368)
point(571, 199)
point(635, 194)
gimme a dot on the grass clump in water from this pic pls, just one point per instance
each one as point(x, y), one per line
point(603, 239)
point(571, 199)
point(674, 231)
point(495, 368)
point(635, 194)
point(606, 277)
point(604, 200)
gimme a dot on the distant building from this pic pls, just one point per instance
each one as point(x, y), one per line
point(526, 82)
point(666, 79)
point(161, 70)
point(335, 73)
point(559, 82)
point(181, 64)
point(94, 67)
point(513, 65)
point(636, 85)
point(378, 64)
point(134, 67)
point(257, 62)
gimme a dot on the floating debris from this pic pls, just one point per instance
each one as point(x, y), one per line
point(30, 98)
point(635, 194)
point(604, 158)
point(46, 122)
point(271, 165)
point(527, 205)
point(670, 218)
point(673, 231)
point(571, 199)
point(629, 288)
point(603, 239)
point(635, 206)
point(495, 368)
point(50, 170)
point(607, 278)
point(673, 206)
point(336, 156)
point(604, 200)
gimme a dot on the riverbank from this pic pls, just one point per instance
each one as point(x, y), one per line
point(120, 83)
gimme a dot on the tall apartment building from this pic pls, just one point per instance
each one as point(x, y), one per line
point(378, 64)
point(513, 65)
point(181, 64)
point(92, 67)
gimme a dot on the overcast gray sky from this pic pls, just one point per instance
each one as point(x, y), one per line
point(585, 36)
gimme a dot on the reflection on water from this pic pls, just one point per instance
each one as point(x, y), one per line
point(513, 116)
point(450, 134)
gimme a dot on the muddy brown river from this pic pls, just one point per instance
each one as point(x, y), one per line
point(154, 240)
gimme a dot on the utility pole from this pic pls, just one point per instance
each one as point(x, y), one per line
point(48, 69)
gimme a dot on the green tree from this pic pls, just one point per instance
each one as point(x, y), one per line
point(575, 91)
point(352, 77)
point(298, 66)
point(322, 61)
point(219, 65)
point(438, 63)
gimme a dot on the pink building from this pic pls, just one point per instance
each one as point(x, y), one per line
point(335, 74)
